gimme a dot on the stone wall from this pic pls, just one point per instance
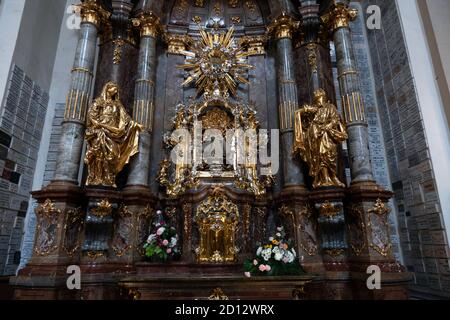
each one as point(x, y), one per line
point(422, 233)
point(22, 121)
point(23, 117)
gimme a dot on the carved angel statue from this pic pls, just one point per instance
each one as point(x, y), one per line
point(318, 131)
point(112, 137)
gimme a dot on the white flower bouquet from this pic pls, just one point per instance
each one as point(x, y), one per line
point(277, 257)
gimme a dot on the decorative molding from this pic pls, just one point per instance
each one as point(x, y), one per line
point(340, 16)
point(283, 27)
point(148, 23)
point(47, 228)
point(91, 11)
point(103, 209)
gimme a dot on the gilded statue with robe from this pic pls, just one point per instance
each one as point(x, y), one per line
point(112, 137)
point(318, 132)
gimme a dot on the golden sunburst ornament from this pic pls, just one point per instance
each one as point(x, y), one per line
point(216, 64)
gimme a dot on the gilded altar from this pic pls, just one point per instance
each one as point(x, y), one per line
point(185, 96)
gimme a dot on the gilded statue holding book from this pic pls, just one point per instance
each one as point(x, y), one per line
point(319, 130)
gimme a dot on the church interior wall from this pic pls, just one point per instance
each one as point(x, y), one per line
point(23, 117)
point(412, 168)
point(409, 150)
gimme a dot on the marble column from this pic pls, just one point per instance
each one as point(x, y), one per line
point(73, 127)
point(282, 28)
point(337, 20)
point(144, 97)
point(367, 203)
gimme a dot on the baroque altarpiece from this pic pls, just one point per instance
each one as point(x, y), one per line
point(162, 68)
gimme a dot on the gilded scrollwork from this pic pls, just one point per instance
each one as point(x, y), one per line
point(305, 225)
point(104, 209)
point(117, 55)
point(288, 213)
point(246, 213)
point(47, 228)
point(335, 252)
point(143, 219)
point(123, 230)
point(184, 180)
point(233, 3)
point(218, 294)
point(187, 218)
point(308, 231)
point(329, 210)
point(312, 56)
point(260, 223)
point(356, 229)
point(200, 3)
point(379, 228)
point(72, 229)
point(171, 214)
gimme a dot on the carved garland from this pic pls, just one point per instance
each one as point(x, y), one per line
point(305, 213)
point(122, 231)
point(356, 229)
point(379, 228)
point(47, 228)
point(72, 229)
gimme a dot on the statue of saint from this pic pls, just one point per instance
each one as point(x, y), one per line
point(112, 137)
point(318, 131)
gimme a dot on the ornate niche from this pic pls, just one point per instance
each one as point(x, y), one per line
point(217, 220)
point(216, 64)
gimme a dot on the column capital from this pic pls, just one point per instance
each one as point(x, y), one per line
point(339, 16)
point(255, 44)
point(283, 26)
point(177, 42)
point(149, 24)
point(91, 11)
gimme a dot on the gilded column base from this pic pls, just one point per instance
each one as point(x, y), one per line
point(328, 203)
point(368, 233)
point(60, 221)
point(367, 224)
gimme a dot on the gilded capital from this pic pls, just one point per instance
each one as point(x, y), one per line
point(177, 43)
point(255, 44)
point(148, 23)
point(340, 16)
point(91, 11)
point(283, 26)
